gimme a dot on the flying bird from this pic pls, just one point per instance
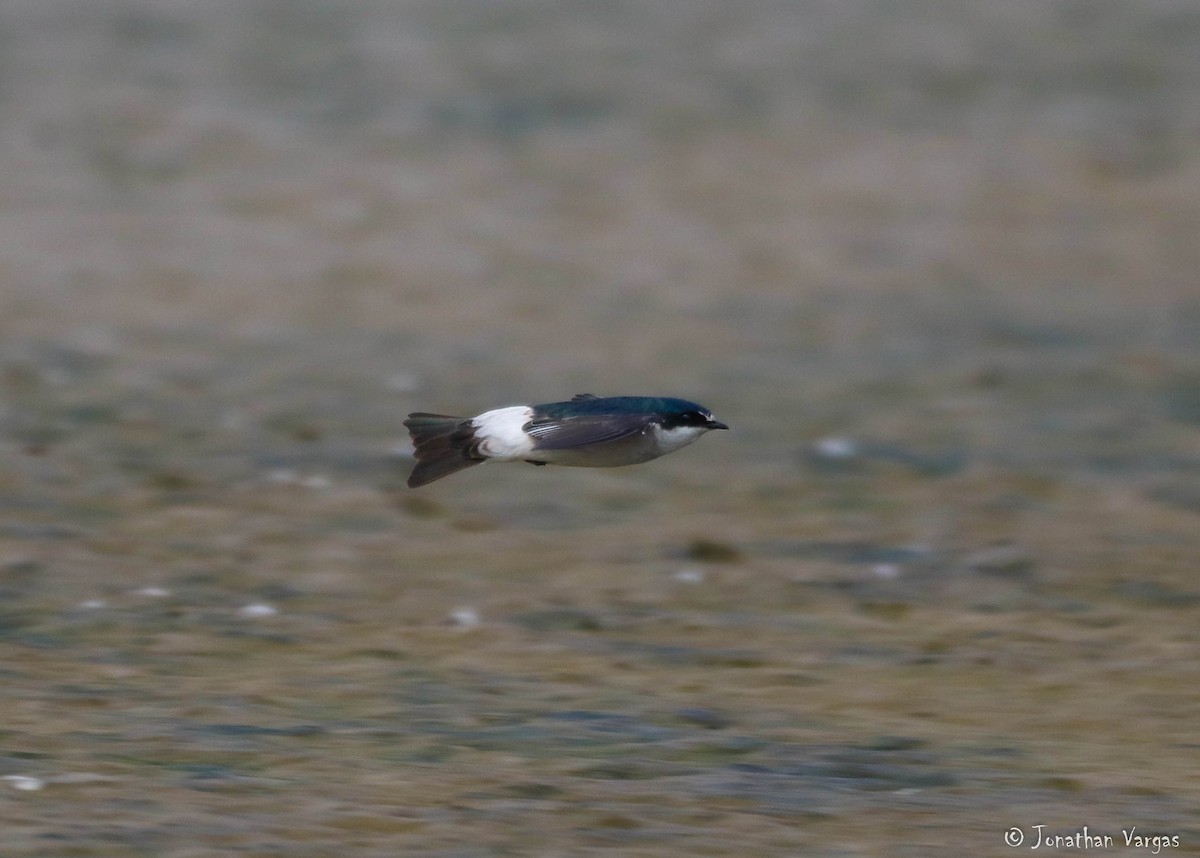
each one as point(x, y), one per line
point(585, 432)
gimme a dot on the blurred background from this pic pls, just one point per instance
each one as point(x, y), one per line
point(936, 264)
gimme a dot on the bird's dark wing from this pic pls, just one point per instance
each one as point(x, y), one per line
point(565, 433)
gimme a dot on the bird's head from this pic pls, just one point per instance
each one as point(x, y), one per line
point(680, 413)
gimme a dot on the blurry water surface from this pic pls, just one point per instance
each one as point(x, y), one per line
point(935, 264)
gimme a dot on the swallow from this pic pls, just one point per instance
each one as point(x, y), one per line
point(586, 431)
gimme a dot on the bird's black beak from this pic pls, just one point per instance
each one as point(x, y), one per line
point(715, 424)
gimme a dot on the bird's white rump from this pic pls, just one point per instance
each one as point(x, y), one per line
point(500, 434)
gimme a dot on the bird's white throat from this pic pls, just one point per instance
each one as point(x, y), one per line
point(672, 439)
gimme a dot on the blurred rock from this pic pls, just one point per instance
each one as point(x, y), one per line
point(711, 551)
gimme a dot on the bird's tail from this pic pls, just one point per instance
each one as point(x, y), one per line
point(442, 445)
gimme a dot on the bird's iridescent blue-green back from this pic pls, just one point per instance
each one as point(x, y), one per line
point(585, 403)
